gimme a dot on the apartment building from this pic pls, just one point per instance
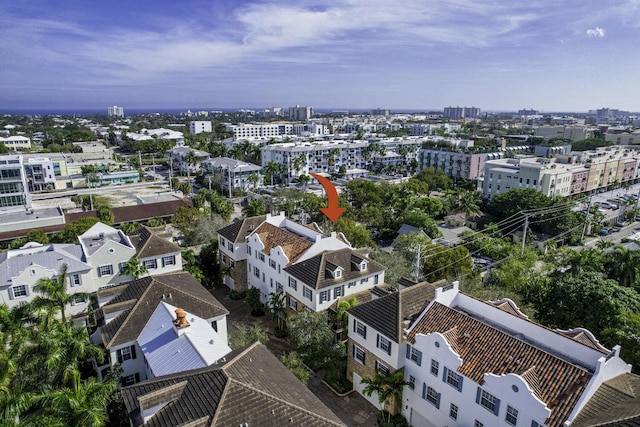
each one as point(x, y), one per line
point(582, 172)
point(16, 142)
point(574, 133)
point(457, 113)
point(299, 113)
point(179, 159)
point(624, 138)
point(318, 157)
point(14, 191)
point(259, 130)
point(197, 127)
point(115, 111)
point(476, 363)
point(235, 173)
point(41, 174)
point(457, 163)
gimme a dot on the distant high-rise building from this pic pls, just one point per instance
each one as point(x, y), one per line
point(530, 112)
point(197, 127)
point(300, 113)
point(380, 112)
point(461, 112)
point(115, 111)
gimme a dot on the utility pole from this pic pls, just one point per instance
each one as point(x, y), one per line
point(586, 219)
point(416, 265)
point(524, 232)
point(140, 158)
point(170, 175)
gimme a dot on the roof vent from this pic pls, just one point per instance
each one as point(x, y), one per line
point(211, 341)
point(101, 236)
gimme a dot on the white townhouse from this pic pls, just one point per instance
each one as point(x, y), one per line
point(159, 325)
point(21, 269)
point(156, 250)
point(106, 250)
point(275, 254)
point(376, 339)
point(475, 363)
point(16, 142)
point(235, 173)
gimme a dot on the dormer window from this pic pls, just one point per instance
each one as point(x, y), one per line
point(338, 273)
point(363, 265)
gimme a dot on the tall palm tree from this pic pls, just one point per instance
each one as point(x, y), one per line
point(277, 306)
point(271, 169)
point(468, 203)
point(133, 268)
point(623, 265)
point(298, 163)
point(254, 207)
point(388, 387)
point(253, 179)
point(53, 296)
point(191, 159)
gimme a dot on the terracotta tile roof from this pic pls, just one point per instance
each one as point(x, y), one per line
point(292, 244)
point(253, 387)
point(139, 299)
point(236, 232)
point(392, 314)
point(486, 349)
point(585, 337)
point(313, 271)
point(149, 242)
point(508, 306)
point(615, 403)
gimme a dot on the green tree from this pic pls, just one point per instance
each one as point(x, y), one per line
point(52, 295)
point(185, 188)
point(105, 215)
point(623, 265)
point(312, 337)
point(247, 335)
point(38, 235)
point(294, 363)
point(358, 235)
point(185, 219)
point(253, 179)
point(467, 203)
point(133, 268)
point(253, 301)
point(70, 233)
point(388, 387)
point(271, 169)
point(277, 306)
point(254, 207)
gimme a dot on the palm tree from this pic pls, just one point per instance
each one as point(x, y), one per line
point(624, 265)
point(277, 307)
point(468, 203)
point(331, 157)
point(304, 179)
point(253, 179)
point(133, 268)
point(54, 297)
point(271, 169)
point(298, 162)
point(387, 386)
point(254, 207)
point(191, 159)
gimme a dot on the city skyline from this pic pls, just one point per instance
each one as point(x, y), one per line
point(573, 56)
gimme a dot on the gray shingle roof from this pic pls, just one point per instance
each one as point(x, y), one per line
point(141, 297)
point(149, 243)
point(51, 257)
point(252, 387)
point(615, 403)
point(313, 271)
point(386, 314)
point(237, 231)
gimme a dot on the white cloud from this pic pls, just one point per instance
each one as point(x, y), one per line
point(595, 32)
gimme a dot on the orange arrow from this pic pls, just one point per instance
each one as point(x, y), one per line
point(332, 211)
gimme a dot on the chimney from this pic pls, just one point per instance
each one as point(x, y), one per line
point(181, 319)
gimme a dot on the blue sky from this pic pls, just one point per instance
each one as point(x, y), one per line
point(568, 55)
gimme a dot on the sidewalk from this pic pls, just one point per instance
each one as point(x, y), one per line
point(353, 409)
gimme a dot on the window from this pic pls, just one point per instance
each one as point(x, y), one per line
point(306, 292)
point(214, 325)
point(351, 284)
point(488, 401)
point(223, 258)
point(325, 295)
point(382, 368)
point(249, 250)
point(412, 382)
point(453, 411)
point(293, 283)
point(168, 260)
point(19, 291)
point(384, 344)
point(360, 329)
point(261, 256)
point(431, 395)
point(453, 379)
point(78, 300)
point(279, 287)
point(512, 416)
point(376, 279)
point(105, 270)
point(358, 354)
point(75, 280)
point(256, 272)
point(126, 353)
point(150, 263)
point(130, 379)
point(338, 291)
point(414, 354)
point(363, 281)
point(222, 242)
point(272, 264)
point(230, 247)
point(477, 423)
point(435, 366)
point(293, 304)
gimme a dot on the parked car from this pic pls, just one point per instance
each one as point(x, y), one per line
point(605, 231)
point(622, 223)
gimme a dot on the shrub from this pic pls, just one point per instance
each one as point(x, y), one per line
point(237, 295)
